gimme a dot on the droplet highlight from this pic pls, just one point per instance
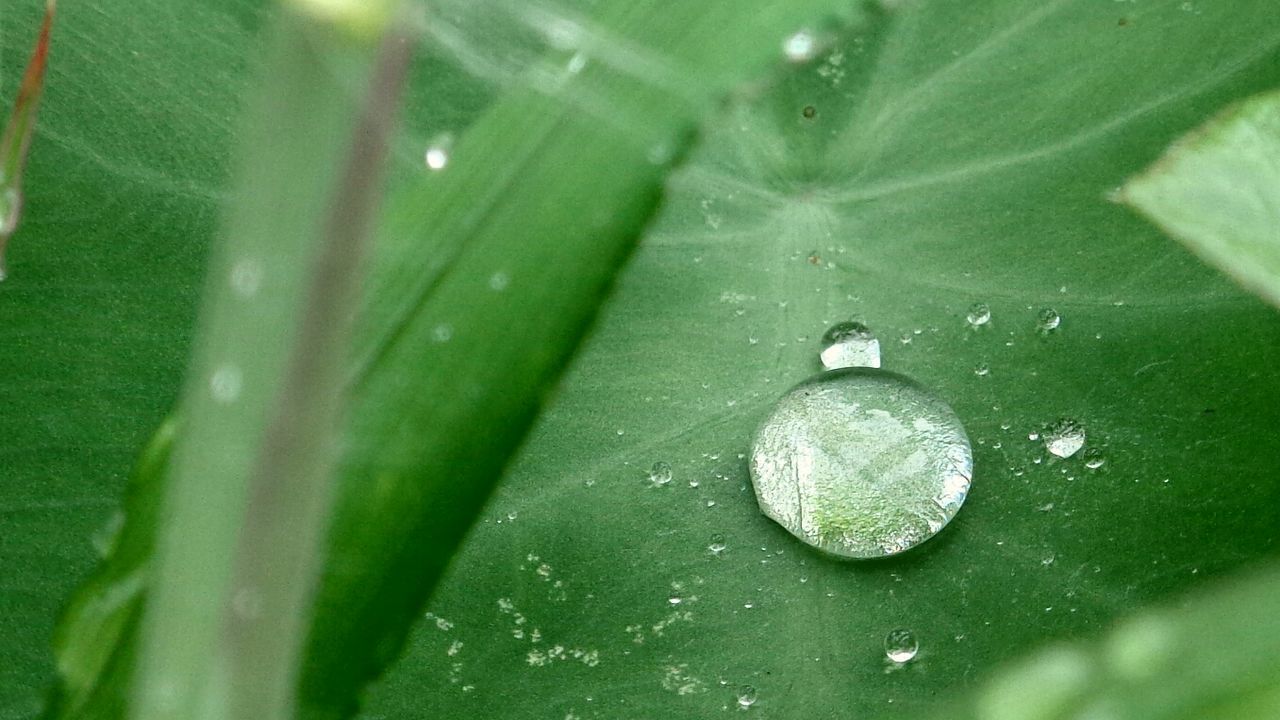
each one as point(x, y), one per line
point(849, 344)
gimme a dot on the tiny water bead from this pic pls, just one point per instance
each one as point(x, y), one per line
point(800, 47)
point(660, 473)
point(861, 463)
point(901, 645)
point(1048, 320)
point(717, 544)
point(437, 154)
point(979, 315)
point(1064, 438)
point(849, 344)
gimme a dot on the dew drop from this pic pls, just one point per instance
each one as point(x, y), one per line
point(1048, 320)
point(660, 474)
point(1093, 459)
point(437, 155)
point(809, 112)
point(849, 344)
point(979, 314)
point(800, 47)
point(901, 646)
point(499, 281)
point(224, 384)
point(746, 696)
point(717, 544)
point(982, 370)
point(1064, 438)
point(442, 333)
point(577, 63)
point(861, 463)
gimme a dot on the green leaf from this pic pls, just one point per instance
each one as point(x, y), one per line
point(1218, 191)
point(957, 153)
point(950, 179)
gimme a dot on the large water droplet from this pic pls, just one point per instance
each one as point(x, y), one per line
point(979, 314)
point(1064, 438)
point(861, 463)
point(901, 645)
point(850, 344)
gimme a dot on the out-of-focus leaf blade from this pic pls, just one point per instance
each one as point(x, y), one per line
point(1218, 191)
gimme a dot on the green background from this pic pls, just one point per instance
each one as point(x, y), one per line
point(957, 155)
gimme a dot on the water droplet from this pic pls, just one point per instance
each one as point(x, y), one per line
point(1064, 438)
point(437, 155)
point(861, 463)
point(746, 696)
point(982, 370)
point(809, 112)
point(499, 281)
point(901, 645)
point(675, 600)
point(225, 384)
point(717, 544)
point(850, 344)
point(979, 314)
point(246, 277)
point(442, 333)
point(800, 47)
point(1048, 320)
point(1093, 459)
point(576, 63)
point(660, 473)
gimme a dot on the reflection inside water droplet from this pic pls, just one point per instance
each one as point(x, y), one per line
point(861, 463)
point(849, 344)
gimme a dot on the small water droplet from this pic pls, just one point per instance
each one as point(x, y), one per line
point(675, 600)
point(437, 155)
point(1093, 459)
point(577, 63)
point(979, 314)
point(717, 544)
point(499, 281)
point(861, 463)
point(660, 473)
point(901, 645)
point(849, 344)
point(1048, 320)
point(809, 112)
point(982, 370)
point(224, 384)
point(746, 696)
point(800, 47)
point(1064, 438)
point(442, 333)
